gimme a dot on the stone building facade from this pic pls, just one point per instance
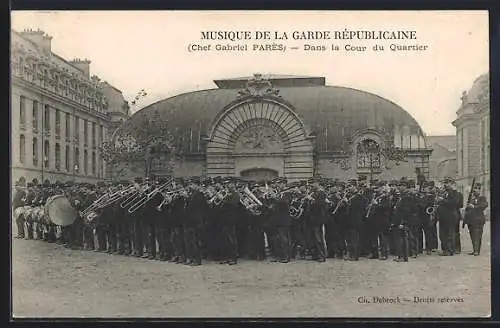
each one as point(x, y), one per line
point(473, 136)
point(443, 161)
point(60, 115)
point(289, 126)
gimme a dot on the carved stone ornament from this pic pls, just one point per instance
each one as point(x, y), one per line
point(258, 87)
point(259, 139)
point(344, 163)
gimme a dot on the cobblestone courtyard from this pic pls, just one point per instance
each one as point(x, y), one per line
point(52, 281)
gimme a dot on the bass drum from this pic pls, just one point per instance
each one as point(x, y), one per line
point(59, 211)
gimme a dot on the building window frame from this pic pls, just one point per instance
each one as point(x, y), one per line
point(34, 118)
point(35, 151)
point(85, 162)
point(67, 158)
point(58, 156)
point(22, 149)
point(22, 112)
point(46, 154)
point(46, 118)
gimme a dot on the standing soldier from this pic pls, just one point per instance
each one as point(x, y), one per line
point(447, 215)
point(427, 221)
point(20, 198)
point(193, 223)
point(413, 219)
point(402, 211)
point(230, 211)
point(475, 219)
point(457, 243)
point(77, 202)
point(357, 211)
point(88, 227)
point(177, 220)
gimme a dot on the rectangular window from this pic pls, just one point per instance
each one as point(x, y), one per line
point(46, 120)
point(46, 154)
point(85, 132)
point(22, 148)
point(93, 134)
point(85, 162)
point(77, 127)
point(35, 115)
point(76, 167)
point(66, 162)
point(94, 163)
point(58, 122)
point(22, 112)
point(35, 152)
point(58, 156)
point(101, 135)
point(68, 126)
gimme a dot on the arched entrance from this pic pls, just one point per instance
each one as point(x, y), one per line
point(258, 174)
point(258, 135)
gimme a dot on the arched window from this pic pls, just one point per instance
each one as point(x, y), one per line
point(66, 162)
point(35, 152)
point(58, 156)
point(46, 154)
point(94, 163)
point(85, 162)
point(22, 148)
point(368, 154)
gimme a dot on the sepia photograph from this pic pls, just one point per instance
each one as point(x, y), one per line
point(250, 164)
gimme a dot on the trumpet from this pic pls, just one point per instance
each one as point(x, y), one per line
point(374, 201)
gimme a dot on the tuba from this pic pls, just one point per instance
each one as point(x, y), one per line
point(440, 195)
point(250, 201)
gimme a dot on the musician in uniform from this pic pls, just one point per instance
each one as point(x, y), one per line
point(475, 219)
point(88, 227)
point(281, 221)
point(19, 200)
point(178, 212)
point(357, 211)
point(457, 243)
point(229, 214)
point(447, 215)
point(315, 218)
point(413, 219)
point(193, 223)
point(427, 221)
point(76, 200)
point(402, 212)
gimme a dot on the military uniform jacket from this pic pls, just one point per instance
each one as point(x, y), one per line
point(407, 210)
point(317, 209)
point(448, 210)
point(475, 215)
point(357, 210)
point(195, 207)
point(18, 199)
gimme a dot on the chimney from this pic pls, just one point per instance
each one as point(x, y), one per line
point(40, 39)
point(83, 65)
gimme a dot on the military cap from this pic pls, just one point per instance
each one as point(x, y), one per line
point(35, 181)
point(100, 183)
point(138, 180)
point(477, 185)
point(30, 184)
point(430, 184)
point(68, 184)
point(46, 183)
point(448, 180)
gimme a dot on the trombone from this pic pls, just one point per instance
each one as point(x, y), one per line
point(142, 201)
point(139, 190)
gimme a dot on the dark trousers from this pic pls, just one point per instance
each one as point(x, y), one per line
point(230, 243)
point(77, 233)
point(447, 236)
point(177, 237)
point(476, 236)
point(112, 237)
point(164, 245)
point(283, 247)
point(353, 243)
point(88, 236)
point(402, 242)
point(430, 234)
point(316, 241)
point(30, 228)
point(384, 244)
point(39, 229)
point(101, 232)
point(67, 234)
point(333, 240)
point(256, 247)
point(124, 241)
point(138, 238)
point(191, 244)
point(20, 226)
point(413, 240)
point(151, 229)
point(298, 239)
point(457, 243)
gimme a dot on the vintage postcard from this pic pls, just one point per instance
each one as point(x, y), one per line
point(250, 164)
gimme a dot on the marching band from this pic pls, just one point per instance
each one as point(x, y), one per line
point(224, 219)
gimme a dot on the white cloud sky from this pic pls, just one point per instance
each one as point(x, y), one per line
point(148, 50)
